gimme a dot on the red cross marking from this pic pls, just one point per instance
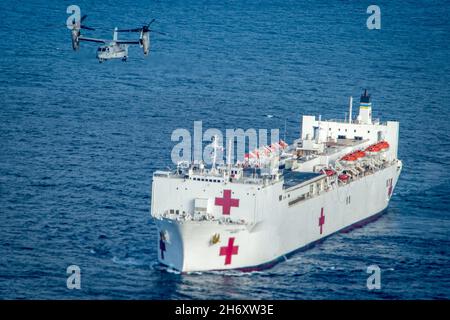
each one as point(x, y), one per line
point(321, 220)
point(229, 251)
point(226, 202)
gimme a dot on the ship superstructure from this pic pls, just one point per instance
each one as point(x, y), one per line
point(251, 214)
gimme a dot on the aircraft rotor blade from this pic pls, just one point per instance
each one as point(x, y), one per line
point(87, 28)
point(130, 30)
point(159, 32)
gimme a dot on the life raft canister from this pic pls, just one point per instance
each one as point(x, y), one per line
point(329, 172)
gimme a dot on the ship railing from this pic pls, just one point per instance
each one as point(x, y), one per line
point(354, 121)
point(165, 174)
point(198, 217)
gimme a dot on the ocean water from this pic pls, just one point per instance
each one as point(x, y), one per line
point(79, 140)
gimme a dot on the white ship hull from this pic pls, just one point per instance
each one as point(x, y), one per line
point(250, 215)
point(278, 230)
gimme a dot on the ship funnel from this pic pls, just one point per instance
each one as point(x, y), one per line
point(365, 109)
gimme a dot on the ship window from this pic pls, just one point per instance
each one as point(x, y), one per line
point(345, 130)
point(171, 210)
point(177, 211)
point(329, 129)
point(368, 131)
point(341, 137)
point(280, 197)
point(358, 138)
point(354, 130)
point(339, 129)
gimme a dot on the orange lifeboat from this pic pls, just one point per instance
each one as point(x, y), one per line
point(384, 145)
point(377, 147)
point(360, 154)
point(354, 156)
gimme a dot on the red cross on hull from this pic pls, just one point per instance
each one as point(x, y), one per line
point(390, 188)
point(226, 202)
point(229, 251)
point(321, 220)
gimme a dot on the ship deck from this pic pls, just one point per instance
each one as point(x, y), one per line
point(293, 178)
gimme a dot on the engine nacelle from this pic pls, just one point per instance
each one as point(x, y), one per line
point(145, 42)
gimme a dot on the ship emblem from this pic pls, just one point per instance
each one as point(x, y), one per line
point(215, 238)
point(226, 202)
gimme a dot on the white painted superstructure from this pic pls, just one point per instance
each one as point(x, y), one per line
point(339, 174)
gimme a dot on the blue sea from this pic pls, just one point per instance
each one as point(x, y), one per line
point(79, 140)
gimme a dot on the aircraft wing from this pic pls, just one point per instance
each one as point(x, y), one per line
point(91, 40)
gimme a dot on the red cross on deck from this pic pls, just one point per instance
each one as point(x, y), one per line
point(226, 202)
point(229, 251)
point(321, 220)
